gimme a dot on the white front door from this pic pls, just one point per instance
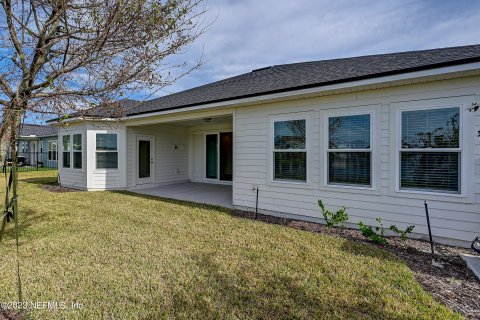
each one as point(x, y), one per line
point(145, 160)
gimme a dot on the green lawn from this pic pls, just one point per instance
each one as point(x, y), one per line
point(124, 256)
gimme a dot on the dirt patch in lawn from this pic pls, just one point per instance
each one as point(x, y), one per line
point(57, 188)
point(9, 315)
point(453, 284)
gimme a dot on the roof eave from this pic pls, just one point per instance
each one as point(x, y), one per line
point(77, 119)
point(325, 84)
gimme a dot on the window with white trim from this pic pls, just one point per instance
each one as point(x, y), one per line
point(77, 151)
point(52, 150)
point(349, 153)
point(106, 151)
point(430, 150)
point(24, 147)
point(66, 151)
point(290, 151)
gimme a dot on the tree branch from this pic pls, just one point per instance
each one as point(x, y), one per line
point(7, 7)
point(4, 103)
point(6, 87)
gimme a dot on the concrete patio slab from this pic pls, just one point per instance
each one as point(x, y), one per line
point(473, 263)
point(207, 193)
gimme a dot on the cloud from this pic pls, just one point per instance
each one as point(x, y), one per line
point(251, 34)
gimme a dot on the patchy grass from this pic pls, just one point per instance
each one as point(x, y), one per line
point(124, 256)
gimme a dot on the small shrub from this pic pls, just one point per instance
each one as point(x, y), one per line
point(332, 219)
point(375, 234)
point(402, 233)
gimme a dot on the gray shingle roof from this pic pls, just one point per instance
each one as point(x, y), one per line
point(37, 130)
point(280, 78)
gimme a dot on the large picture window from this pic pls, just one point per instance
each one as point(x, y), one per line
point(350, 150)
point(290, 151)
point(430, 154)
point(66, 151)
point(106, 151)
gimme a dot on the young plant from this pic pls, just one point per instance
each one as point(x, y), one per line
point(375, 234)
point(332, 219)
point(402, 233)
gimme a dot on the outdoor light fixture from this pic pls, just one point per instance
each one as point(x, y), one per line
point(207, 119)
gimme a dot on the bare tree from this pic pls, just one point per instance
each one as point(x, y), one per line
point(63, 56)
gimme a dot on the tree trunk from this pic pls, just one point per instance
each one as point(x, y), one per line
point(13, 121)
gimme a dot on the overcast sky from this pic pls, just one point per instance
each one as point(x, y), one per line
point(250, 34)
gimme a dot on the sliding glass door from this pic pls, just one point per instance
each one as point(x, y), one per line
point(226, 155)
point(219, 156)
point(211, 149)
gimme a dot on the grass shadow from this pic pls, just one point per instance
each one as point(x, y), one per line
point(40, 180)
point(184, 203)
point(279, 296)
point(367, 250)
point(27, 219)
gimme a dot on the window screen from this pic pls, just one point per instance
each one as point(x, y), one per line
point(66, 151)
point(107, 153)
point(430, 154)
point(290, 153)
point(52, 150)
point(77, 151)
point(349, 150)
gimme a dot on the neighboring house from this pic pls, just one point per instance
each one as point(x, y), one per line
point(38, 145)
point(378, 134)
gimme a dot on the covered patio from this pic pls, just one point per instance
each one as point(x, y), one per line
point(205, 193)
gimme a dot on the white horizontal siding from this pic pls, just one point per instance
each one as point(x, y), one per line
point(452, 218)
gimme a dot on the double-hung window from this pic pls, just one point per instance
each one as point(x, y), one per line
point(66, 151)
point(52, 150)
point(430, 150)
point(290, 151)
point(77, 151)
point(106, 151)
point(350, 150)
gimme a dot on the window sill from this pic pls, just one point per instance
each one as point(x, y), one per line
point(433, 196)
point(105, 170)
point(349, 189)
point(432, 193)
point(73, 169)
point(290, 184)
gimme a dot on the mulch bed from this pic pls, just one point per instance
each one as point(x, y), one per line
point(453, 284)
point(56, 188)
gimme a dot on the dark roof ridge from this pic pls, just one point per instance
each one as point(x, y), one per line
point(370, 56)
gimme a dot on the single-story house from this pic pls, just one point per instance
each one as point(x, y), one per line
point(38, 145)
point(377, 134)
